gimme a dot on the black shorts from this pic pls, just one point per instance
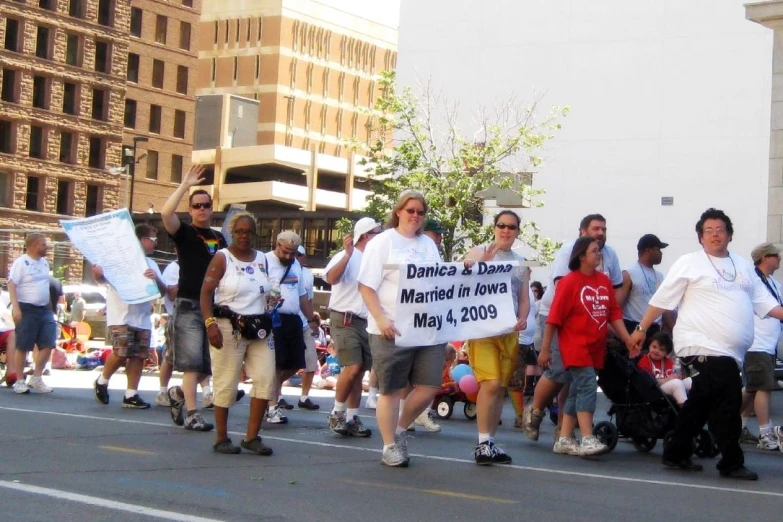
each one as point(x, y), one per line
point(289, 343)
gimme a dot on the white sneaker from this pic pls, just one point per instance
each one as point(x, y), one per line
point(20, 387)
point(275, 416)
point(427, 423)
point(778, 432)
point(371, 402)
point(162, 399)
point(206, 400)
point(768, 442)
point(566, 446)
point(395, 457)
point(592, 446)
point(38, 386)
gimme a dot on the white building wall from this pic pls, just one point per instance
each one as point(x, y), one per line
point(668, 98)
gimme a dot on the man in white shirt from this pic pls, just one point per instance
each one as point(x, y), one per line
point(555, 378)
point(170, 278)
point(348, 320)
point(311, 356)
point(759, 367)
point(129, 329)
point(32, 313)
point(716, 298)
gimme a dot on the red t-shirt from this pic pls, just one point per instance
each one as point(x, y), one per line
point(660, 370)
point(581, 309)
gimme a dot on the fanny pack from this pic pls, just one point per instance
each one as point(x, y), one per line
point(250, 327)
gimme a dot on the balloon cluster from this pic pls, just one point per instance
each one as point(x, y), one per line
point(463, 376)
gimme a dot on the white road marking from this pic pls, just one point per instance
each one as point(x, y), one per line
point(615, 478)
point(103, 503)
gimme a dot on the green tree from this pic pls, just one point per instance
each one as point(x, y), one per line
point(415, 142)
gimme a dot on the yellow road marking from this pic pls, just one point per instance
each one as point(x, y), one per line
point(441, 492)
point(127, 450)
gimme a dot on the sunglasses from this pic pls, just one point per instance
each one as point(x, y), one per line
point(153, 239)
point(503, 226)
point(198, 206)
point(412, 211)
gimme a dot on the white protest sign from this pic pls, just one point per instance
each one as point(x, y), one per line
point(109, 240)
point(443, 302)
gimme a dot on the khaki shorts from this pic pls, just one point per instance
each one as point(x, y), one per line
point(759, 372)
point(127, 341)
point(397, 367)
point(311, 356)
point(351, 342)
point(494, 358)
point(257, 358)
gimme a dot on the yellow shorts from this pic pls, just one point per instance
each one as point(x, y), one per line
point(494, 358)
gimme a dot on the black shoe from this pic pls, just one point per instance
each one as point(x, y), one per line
point(685, 465)
point(742, 473)
point(355, 428)
point(256, 446)
point(226, 447)
point(282, 403)
point(498, 455)
point(307, 404)
point(135, 402)
point(240, 394)
point(482, 454)
point(101, 392)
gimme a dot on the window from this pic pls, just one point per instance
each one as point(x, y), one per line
point(32, 196)
point(73, 50)
point(184, 36)
point(217, 30)
point(182, 79)
point(130, 113)
point(92, 202)
point(96, 153)
point(161, 23)
point(158, 69)
point(187, 3)
point(214, 69)
point(76, 8)
point(10, 91)
point(155, 117)
point(42, 42)
point(227, 31)
point(258, 66)
point(237, 33)
point(176, 169)
point(179, 124)
point(47, 4)
point(133, 68)
point(40, 92)
point(5, 189)
point(6, 135)
point(106, 12)
point(12, 42)
point(64, 196)
point(66, 148)
point(152, 164)
point(247, 34)
point(99, 104)
point(236, 67)
point(135, 25)
point(69, 98)
point(102, 56)
point(37, 149)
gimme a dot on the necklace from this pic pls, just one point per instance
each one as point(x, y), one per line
point(720, 273)
point(646, 280)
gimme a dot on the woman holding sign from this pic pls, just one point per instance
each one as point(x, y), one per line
point(582, 308)
point(398, 367)
point(493, 359)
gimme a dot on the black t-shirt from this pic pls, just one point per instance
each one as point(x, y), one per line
point(195, 248)
point(55, 292)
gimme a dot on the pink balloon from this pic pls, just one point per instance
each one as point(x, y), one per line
point(469, 385)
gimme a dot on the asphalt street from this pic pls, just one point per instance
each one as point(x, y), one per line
point(66, 457)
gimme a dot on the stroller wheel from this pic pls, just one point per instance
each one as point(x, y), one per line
point(704, 445)
point(607, 433)
point(445, 408)
point(643, 444)
point(470, 410)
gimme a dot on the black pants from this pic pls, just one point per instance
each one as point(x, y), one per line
point(715, 397)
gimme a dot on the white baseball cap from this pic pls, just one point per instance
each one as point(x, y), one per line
point(363, 226)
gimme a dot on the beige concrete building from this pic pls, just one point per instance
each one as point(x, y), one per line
point(62, 70)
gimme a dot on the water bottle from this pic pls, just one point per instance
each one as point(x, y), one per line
point(275, 292)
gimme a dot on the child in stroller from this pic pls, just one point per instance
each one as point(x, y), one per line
point(657, 362)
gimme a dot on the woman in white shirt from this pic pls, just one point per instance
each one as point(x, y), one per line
point(398, 367)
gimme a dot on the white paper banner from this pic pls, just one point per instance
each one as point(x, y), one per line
point(109, 240)
point(443, 302)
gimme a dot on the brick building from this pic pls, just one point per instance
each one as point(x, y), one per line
point(62, 71)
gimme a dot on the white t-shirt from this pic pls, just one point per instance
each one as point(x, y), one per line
point(766, 330)
point(610, 265)
point(119, 313)
point(390, 247)
point(170, 278)
point(6, 319)
point(308, 280)
point(5, 298)
point(345, 293)
point(290, 289)
point(31, 278)
point(244, 285)
point(644, 282)
point(526, 336)
point(715, 298)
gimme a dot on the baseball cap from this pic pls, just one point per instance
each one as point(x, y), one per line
point(289, 238)
point(363, 226)
point(433, 226)
point(763, 250)
point(300, 251)
point(649, 241)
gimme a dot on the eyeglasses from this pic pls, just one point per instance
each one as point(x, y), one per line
point(773, 255)
point(412, 211)
point(503, 226)
point(198, 206)
point(711, 231)
point(153, 239)
point(244, 233)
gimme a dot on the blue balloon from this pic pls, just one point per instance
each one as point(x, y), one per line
point(460, 371)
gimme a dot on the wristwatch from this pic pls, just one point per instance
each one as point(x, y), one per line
point(640, 329)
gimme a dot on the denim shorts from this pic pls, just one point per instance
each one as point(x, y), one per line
point(556, 372)
point(37, 328)
point(189, 338)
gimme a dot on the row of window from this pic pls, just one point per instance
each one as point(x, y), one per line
point(35, 191)
point(161, 28)
point(78, 9)
point(155, 119)
point(153, 167)
point(158, 73)
point(39, 144)
point(248, 27)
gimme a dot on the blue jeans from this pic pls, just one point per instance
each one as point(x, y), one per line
point(189, 338)
point(583, 392)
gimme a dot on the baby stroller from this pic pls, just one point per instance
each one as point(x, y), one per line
point(641, 411)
